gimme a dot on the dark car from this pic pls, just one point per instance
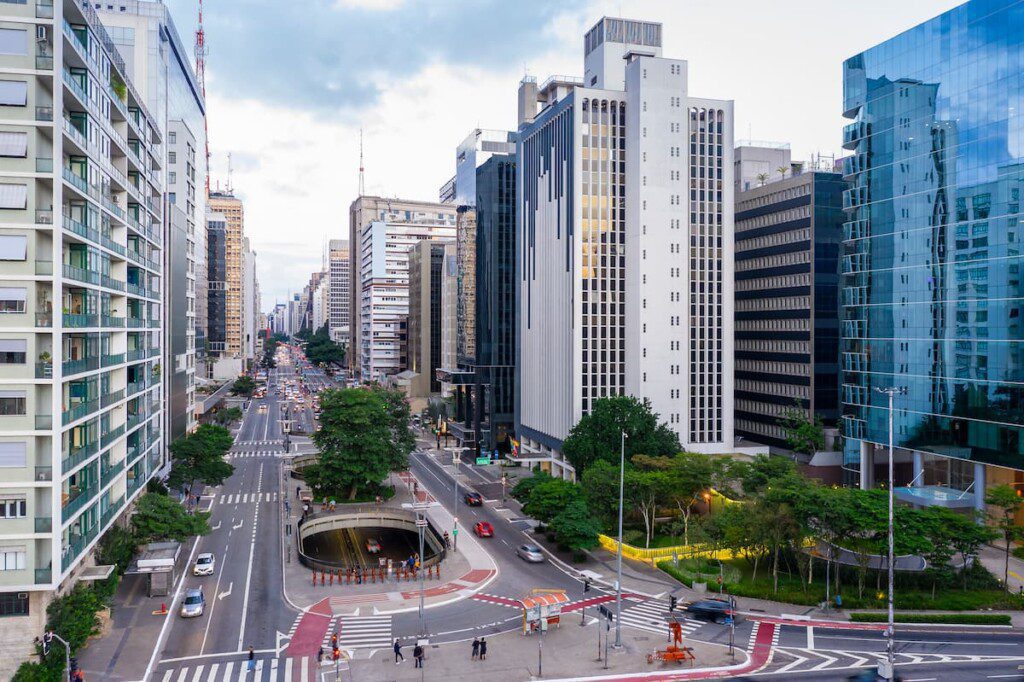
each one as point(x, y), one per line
point(473, 499)
point(714, 610)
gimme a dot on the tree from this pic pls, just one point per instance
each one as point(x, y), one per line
point(598, 434)
point(550, 497)
point(1006, 500)
point(362, 439)
point(199, 456)
point(158, 517)
point(244, 385)
point(643, 490)
point(803, 434)
point(689, 474)
point(228, 415)
point(761, 471)
point(782, 170)
point(762, 178)
point(575, 526)
point(600, 485)
point(525, 487)
point(967, 537)
point(939, 528)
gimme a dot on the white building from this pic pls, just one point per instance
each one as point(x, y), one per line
point(250, 303)
point(384, 281)
point(339, 293)
point(81, 264)
point(626, 270)
point(321, 303)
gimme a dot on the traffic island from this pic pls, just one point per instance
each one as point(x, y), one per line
point(564, 652)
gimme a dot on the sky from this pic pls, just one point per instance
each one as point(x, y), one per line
point(291, 83)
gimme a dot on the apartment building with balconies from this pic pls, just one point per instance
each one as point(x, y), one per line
point(80, 302)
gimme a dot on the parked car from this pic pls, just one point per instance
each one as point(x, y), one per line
point(205, 564)
point(473, 499)
point(194, 603)
point(484, 529)
point(714, 610)
point(372, 546)
point(530, 553)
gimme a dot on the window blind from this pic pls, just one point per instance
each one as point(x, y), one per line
point(13, 196)
point(13, 41)
point(14, 144)
point(13, 246)
point(13, 93)
point(13, 454)
point(13, 294)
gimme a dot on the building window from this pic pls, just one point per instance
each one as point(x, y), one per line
point(13, 196)
point(12, 403)
point(13, 246)
point(13, 604)
point(13, 351)
point(12, 299)
point(172, 137)
point(172, 177)
point(172, 157)
point(12, 558)
point(13, 508)
point(14, 41)
point(14, 145)
point(13, 93)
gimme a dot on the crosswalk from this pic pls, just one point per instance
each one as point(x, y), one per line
point(246, 498)
point(249, 454)
point(649, 615)
point(360, 632)
point(286, 669)
point(254, 443)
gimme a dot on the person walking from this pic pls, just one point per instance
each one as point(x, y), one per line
point(252, 658)
point(417, 653)
point(476, 648)
point(334, 640)
point(320, 656)
point(398, 652)
point(483, 649)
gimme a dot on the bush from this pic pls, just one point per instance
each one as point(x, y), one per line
point(1019, 552)
point(117, 546)
point(946, 618)
point(523, 488)
point(155, 485)
point(579, 557)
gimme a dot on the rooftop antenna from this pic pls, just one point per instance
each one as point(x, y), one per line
point(362, 182)
point(229, 188)
point(200, 53)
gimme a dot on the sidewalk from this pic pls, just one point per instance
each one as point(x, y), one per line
point(994, 559)
point(463, 573)
point(566, 651)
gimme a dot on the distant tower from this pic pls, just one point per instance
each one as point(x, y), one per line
point(201, 52)
point(362, 185)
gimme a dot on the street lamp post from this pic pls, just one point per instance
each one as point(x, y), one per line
point(618, 570)
point(888, 668)
point(421, 524)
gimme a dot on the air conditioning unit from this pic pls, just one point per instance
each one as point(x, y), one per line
point(22, 595)
point(40, 34)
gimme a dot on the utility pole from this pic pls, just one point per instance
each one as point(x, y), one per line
point(888, 668)
point(618, 570)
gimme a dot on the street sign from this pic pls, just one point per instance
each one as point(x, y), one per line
point(607, 613)
point(481, 461)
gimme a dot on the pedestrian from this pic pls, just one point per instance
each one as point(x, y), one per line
point(398, 652)
point(417, 653)
point(476, 648)
point(297, 489)
point(483, 649)
point(334, 640)
point(252, 658)
point(320, 656)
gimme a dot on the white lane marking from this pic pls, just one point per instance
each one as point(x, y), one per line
point(226, 593)
point(168, 621)
point(167, 675)
point(288, 669)
point(199, 673)
point(810, 638)
point(181, 677)
point(248, 573)
point(228, 667)
point(213, 672)
point(238, 525)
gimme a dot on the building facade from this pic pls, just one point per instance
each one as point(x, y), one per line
point(425, 327)
point(931, 297)
point(230, 207)
point(387, 230)
point(339, 292)
point(788, 235)
point(81, 261)
point(221, 364)
point(625, 246)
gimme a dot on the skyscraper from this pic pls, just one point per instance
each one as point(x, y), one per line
point(230, 207)
point(339, 294)
point(424, 329)
point(932, 298)
point(625, 245)
point(81, 300)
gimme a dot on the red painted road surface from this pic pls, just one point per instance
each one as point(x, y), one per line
point(312, 627)
point(835, 625)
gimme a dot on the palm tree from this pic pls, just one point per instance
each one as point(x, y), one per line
point(762, 178)
point(781, 170)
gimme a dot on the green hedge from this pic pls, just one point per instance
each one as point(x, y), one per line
point(946, 618)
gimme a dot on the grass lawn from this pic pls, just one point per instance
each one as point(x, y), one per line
point(739, 581)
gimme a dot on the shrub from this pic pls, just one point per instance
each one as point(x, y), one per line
point(579, 557)
point(946, 618)
point(1019, 552)
point(155, 485)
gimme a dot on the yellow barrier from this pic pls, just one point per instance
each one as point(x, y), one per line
point(656, 554)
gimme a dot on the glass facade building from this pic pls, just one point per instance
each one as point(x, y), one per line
point(931, 267)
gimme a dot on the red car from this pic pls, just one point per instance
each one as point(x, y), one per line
point(484, 529)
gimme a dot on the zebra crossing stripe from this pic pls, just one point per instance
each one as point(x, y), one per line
point(650, 617)
point(364, 632)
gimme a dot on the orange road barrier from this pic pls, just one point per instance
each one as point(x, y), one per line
point(331, 578)
point(314, 578)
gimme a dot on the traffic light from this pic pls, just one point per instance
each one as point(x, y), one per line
point(586, 585)
point(672, 601)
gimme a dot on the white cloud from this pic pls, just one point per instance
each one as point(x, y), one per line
point(375, 5)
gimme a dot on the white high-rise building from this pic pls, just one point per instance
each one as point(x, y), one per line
point(338, 289)
point(82, 270)
point(384, 280)
point(626, 266)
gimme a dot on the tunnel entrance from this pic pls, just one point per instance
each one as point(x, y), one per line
point(350, 547)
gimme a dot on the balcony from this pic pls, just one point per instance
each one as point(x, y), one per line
point(80, 365)
point(43, 575)
point(855, 229)
point(134, 484)
point(76, 456)
point(112, 397)
point(44, 422)
point(136, 387)
point(111, 511)
point(44, 164)
point(75, 545)
point(80, 321)
point(108, 471)
point(76, 181)
point(853, 133)
point(44, 62)
point(44, 10)
point(44, 216)
point(44, 370)
point(111, 321)
point(136, 323)
point(111, 283)
point(44, 319)
point(44, 474)
point(44, 524)
point(81, 274)
point(137, 354)
point(135, 419)
point(80, 410)
point(44, 268)
point(80, 499)
point(112, 359)
point(44, 113)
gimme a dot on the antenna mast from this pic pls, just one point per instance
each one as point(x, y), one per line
point(229, 173)
point(362, 185)
point(201, 52)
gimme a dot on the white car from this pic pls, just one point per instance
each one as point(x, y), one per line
point(205, 564)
